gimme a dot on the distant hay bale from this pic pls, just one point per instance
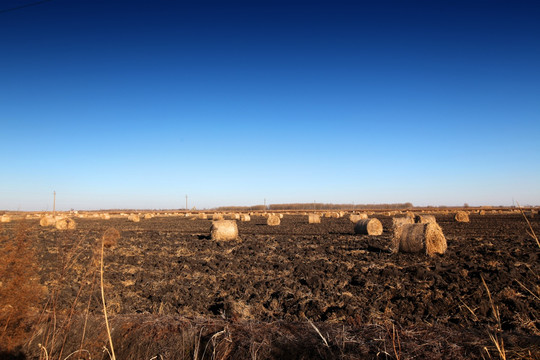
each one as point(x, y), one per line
point(413, 238)
point(235, 216)
point(280, 216)
point(273, 220)
point(105, 216)
point(314, 219)
point(148, 216)
point(357, 217)
point(47, 221)
point(404, 220)
point(482, 212)
point(134, 218)
point(110, 236)
point(224, 230)
point(424, 219)
point(245, 217)
point(461, 216)
point(217, 217)
point(202, 216)
point(5, 218)
point(66, 224)
point(368, 227)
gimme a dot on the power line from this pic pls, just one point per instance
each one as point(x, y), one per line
point(24, 6)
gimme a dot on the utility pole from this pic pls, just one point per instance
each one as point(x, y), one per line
point(265, 204)
point(54, 204)
point(186, 203)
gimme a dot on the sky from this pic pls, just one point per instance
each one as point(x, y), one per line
point(136, 104)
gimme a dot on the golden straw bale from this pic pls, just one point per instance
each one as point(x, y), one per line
point(461, 216)
point(314, 219)
point(66, 224)
point(403, 220)
point(148, 216)
point(482, 212)
point(47, 221)
point(368, 227)
point(273, 220)
point(5, 218)
point(424, 219)
point(105, 216)
point(217, 217)
point(412, 238)
point(134, 218)
point(224, 230)
point(202, 216)
point(357, 217)
point(245, 217)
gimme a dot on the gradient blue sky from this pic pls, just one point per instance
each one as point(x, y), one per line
point(134, 104)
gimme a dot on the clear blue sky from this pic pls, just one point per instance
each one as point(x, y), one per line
point(134, 104)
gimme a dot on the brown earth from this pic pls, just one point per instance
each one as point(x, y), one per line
point(269, 293)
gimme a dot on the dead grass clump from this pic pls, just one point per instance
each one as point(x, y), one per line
point(224, 230)
point(66, 224)
point(314, 219)
point(461, 216)
point(20, 291)
point(425, 219)
point(413, 238)
point(110, 237)
point(273, 220)
point(368, 227)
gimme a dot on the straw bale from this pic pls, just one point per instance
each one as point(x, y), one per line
point(224, 230)
point(403, 220)
point(273, 220)
point(217, 217)
point(368, 227)
point(202, 216)
point(134, 218)
point(314, 219)
point(47, 221)
point(235, 216)
point(105, 216)
point(357, 217)
point(148, 216)
point(427, 238)
point(245, 217)
point(66, 224)
point(461, 216)
point(482, 212)
point(5, 219)
point(424, 219)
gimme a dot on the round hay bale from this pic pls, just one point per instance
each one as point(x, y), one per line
point(413, 238)
point(273, 220)
point(368, 227)
point(148, 216)
point(202, 216)
point(280, 216)
point(482, 212)
point(425, 219)
point(235, 216)
point(245, 217)
point(461, 216)
point(134, 218)
point(404, 220)
point(314, 219)
point(105, 216)
point(224, 230)
point(66, 224)
point(5, 218)
point(357, 217)
point(217, 217)
point(47, 221)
